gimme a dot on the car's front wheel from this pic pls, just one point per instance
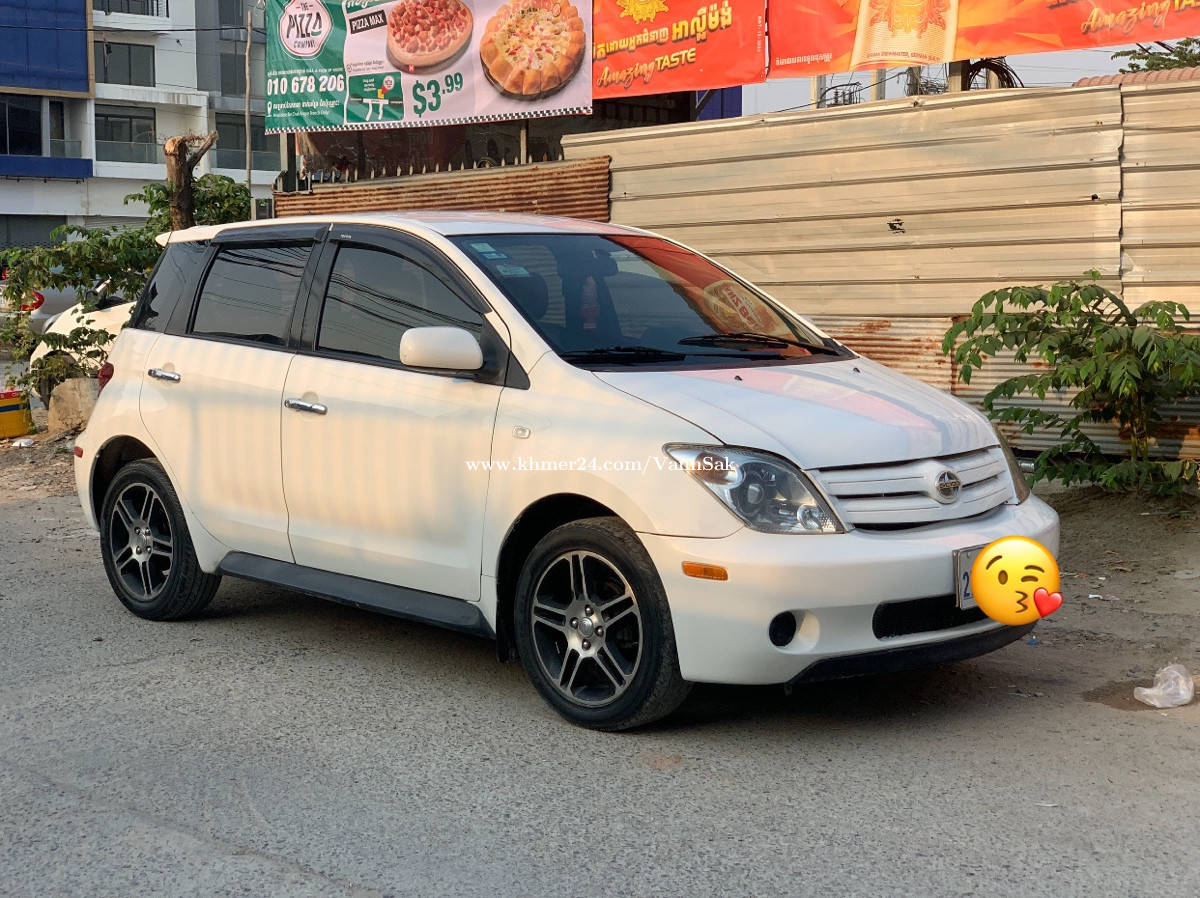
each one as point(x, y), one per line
point(147, 552)
point(593, 628)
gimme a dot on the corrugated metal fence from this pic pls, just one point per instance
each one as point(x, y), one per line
point(578, 189)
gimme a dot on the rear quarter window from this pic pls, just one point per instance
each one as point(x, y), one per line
point(250, 293)
point(174, 281)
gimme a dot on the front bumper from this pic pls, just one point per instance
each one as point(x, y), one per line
point(834, 585)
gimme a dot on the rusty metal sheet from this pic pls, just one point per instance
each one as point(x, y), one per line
point(910, 345)
point(577, 189)
point(913, 347)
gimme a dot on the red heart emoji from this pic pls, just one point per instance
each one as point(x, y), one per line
point(1046, 602)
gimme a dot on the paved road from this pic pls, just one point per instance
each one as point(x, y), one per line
point(283, 746)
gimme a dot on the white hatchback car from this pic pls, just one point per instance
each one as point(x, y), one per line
point(622, 462)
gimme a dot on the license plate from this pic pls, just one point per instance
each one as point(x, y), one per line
point(963, 559)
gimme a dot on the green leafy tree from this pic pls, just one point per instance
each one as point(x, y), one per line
point(1183, 54)
point(1117, 365)
point(118, 259)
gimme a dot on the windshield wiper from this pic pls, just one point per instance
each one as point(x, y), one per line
point(760, 339)
point(624, 354)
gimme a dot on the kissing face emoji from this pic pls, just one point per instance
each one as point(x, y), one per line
point(1015, 581)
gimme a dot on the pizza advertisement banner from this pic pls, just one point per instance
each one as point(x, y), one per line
point(660, 46)
point(818, 37)
point(357, 64)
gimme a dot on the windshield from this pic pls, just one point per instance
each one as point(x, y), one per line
point(634, 300)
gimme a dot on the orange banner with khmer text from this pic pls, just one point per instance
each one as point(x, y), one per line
point(660, 46)
point(813, 37)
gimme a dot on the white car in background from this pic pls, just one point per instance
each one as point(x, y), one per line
point(111, 314)
point(625, 464)
point(44, 306)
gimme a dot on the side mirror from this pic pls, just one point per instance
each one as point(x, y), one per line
point(446, 348)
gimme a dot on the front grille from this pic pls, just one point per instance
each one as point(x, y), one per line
point(921, 616)
point(905, 494)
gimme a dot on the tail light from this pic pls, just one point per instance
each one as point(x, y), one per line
point(38, 299)
point(104, 375)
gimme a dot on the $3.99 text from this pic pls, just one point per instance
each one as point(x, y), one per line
point(427, 95)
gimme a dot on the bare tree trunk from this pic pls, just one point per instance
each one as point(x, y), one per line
point(181, 161)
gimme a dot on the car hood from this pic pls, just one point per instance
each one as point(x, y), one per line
point(822, 414)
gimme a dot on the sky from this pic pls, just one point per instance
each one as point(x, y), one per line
point(1059, 69)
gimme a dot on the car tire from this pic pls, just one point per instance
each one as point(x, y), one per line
point(148, 554)
point(593, 628)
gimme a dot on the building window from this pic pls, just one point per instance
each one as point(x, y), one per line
point(233, 74)
point(124, 63)
point(232, 129)
point(130, 124)
point(132, 7)
point(126, 134)
point(231, 148)
point(58, 120)
point(20, 125)
point(231, 13)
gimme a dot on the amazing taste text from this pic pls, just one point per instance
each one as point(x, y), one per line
point(708, 20)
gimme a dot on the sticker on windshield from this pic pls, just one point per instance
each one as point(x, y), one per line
point(734, 310)
point(482, 247)
point(512, 271)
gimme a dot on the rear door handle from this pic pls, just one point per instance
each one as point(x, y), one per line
point(159, 374)
point(299, 405)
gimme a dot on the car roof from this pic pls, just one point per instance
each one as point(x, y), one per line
point(448, 224)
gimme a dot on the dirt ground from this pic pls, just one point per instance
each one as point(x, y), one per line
point(1130, 573)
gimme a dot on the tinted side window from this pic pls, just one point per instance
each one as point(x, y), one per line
point(174, 281)
point(375, 296)
point(250, 292)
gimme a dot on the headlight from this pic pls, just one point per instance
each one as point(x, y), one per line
point(767, 493)
point(1020, 484)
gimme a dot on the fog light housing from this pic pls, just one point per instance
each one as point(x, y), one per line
point(782, 629)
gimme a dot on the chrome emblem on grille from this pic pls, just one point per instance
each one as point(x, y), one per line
point(948, 486)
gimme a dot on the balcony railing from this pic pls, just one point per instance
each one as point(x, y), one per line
point(133, 7)
point(66, 149)
point(260, 160)
point(124, 151)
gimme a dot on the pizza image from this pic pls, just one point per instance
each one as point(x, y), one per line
point(532, 47)
point(423, 34)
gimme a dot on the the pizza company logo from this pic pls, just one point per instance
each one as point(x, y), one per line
point(642, 10)
point(303, 27)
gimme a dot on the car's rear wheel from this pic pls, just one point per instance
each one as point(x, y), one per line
point(147, 552)
point(593, 627)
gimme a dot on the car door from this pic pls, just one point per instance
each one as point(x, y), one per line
point(214, 387)
point(384, 467)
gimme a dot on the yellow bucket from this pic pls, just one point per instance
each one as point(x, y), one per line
point(15, 419)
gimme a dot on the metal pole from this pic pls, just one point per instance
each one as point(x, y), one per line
point(249, 32)
point(956, 82)
point(914, 80)
point(818, 90)
point(879, 85)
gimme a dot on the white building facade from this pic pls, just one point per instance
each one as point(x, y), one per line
point(72, 151)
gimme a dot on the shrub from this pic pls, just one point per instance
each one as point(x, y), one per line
point(1118, 366)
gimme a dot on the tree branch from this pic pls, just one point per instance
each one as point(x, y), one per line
point(205, 146)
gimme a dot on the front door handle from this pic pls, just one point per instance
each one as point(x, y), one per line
point(299, 405)
point(159, 374)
